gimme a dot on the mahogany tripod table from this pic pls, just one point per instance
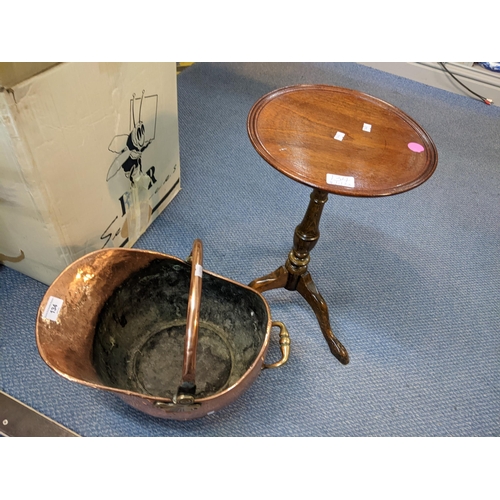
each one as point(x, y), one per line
point(340, 141)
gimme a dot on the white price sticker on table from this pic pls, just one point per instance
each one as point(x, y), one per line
point(52, 308)
point(340, 180)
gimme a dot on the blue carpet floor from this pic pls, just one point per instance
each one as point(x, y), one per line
point(412, 281)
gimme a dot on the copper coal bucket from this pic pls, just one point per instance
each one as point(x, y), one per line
point(170, 338)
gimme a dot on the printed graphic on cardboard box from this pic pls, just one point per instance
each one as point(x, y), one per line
point(132, 183)
point(129, 147)
point(7, 258)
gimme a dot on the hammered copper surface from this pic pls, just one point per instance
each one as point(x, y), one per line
point(101, 337)
point(66, 344)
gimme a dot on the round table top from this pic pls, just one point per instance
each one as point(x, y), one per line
point(341, 141)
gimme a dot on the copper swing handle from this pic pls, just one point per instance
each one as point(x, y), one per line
point(186, 391)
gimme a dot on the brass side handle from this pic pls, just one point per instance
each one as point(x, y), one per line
point(284, 346)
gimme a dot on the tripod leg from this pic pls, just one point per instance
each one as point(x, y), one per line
point(276, 279)
point(307, 288)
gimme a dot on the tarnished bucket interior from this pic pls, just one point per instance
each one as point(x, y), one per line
point(140, 332)
point(170, 338)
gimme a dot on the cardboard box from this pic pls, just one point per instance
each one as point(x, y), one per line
point(89, 156)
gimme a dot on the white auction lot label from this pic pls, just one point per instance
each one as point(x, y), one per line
point(52, 308)
point(340, 180)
